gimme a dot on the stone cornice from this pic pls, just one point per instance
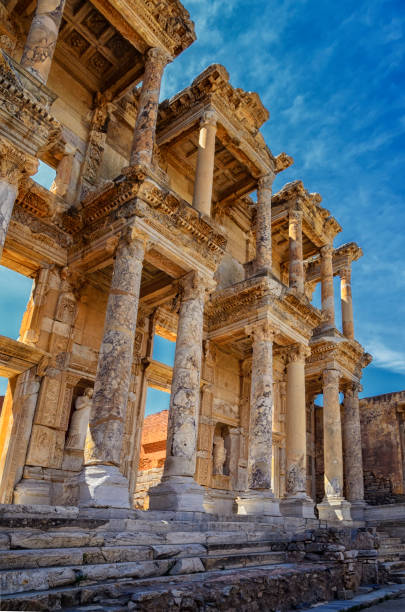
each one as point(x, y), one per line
point(16, 357)
point(337, 351)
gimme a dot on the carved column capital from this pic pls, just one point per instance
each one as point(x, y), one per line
point(326, 251)
point(15, 165)
point(297, 352)
point(158, 57)
point(351, 389)
point(331, 376)
point(261, 330)
point(266, 181)
point(209, 118)
point(134, 238)
point(193, 286)
point(346, 273)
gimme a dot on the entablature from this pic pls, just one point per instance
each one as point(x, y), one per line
point(17, 357)
point(342, 258)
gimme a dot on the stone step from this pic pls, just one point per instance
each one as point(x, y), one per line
point(226, 561)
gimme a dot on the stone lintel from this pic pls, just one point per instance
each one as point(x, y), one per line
point(16, 357)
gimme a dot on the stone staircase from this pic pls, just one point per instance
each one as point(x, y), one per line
point(55, 559)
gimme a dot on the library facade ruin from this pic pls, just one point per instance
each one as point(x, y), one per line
point(150, 228)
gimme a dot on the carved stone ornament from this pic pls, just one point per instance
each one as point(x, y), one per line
point(219, 455)
point(298, 352)
point(14, 165)
point(80, 420)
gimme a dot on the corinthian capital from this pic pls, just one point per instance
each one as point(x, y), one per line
point(156, 56)
point(194, 286)
point(297, 352)
point(261, 330)
point(209, 117)
point(15, 165)
point(326, 251)
point(266, 181)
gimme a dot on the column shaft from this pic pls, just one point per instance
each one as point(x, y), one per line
point(347, 303)
point(327, 293)
point(261, 409)
point(116, 353)
point(185, 392)
point(296, 440)
point(145, 126)
point(353, 460)
point(204, 173)
point(296, 267)
point(263, 224)
point(41, 41)
point(332, 435)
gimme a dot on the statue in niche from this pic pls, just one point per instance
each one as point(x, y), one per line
point(219, 455)
point(80, 420)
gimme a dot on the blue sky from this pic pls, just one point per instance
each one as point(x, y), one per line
point(332, 75)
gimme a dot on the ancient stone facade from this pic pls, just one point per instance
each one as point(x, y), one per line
point(149, 228)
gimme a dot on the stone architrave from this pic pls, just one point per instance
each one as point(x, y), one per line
point(259, 498)
point(334, 506)
point(263, 261)
point(204, 173)
point(327, 293)
point(101, 482)
point(353, 460)
point(178, 489)
point(145, 126)
point(296, 267)
point(14, 165)
point(296, 502)
point(346, 302)
point(42, 37)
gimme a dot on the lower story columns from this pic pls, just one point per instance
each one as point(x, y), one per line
point(296, 501)
point(353, 460)
point(101, 483)
point(259, 498)
point(178, 489)
point(334, 506)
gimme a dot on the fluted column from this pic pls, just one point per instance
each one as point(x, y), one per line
point(296, 267)
point(101, 481)
point(13, 167)
point(346, 302)
point(259, 498)
point(327, 293)
point(42, 37)
point(178, 489)
point(353, 459)
point(204, 172)
point(263, 262)
point(296, 502)
point(333, 506)
point(145, 126)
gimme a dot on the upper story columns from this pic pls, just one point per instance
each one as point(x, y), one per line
point(296, 267)
point(346, 301)
point(101, 482)
point(41, 41)
point(204, 173)
point(263, 224)
point(145, 126)
point(327, 293)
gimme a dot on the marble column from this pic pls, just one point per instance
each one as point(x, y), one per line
point(41, 41)
point(334, 506)
point(296, 267)
point(327, 293)
point(101, 482)
point(346, 302)
point(259, 498)
point(13, 167)
point(296, 502)
point(204, 172)
point(353, 460)
point(263, 261)
point(145, 125)
point(178, 489)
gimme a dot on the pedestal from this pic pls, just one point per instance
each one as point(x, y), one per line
point(32, 492)
point(301, 507)
point(177, 493)
point(357, 510)
point(334, 509)
point(258, 503)
point(103, 486)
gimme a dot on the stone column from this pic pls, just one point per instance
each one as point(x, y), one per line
point(296, 267)
point(346, 302)
point(259, 498)
point(101, 482)
point(41, 41)
point(178, 489)
point(334, 506)
point(13, 166)
point(204, 172)
point(145, 126)
point(353, 460)
point(263, 262)
point(296, 502)
point(328, 300)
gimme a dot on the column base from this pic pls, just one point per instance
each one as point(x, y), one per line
point(334, 509)
point(103, 486)
point(32, 492)
point(177, 493)
point(301, 507)
point(357, 509)
point(258, 502)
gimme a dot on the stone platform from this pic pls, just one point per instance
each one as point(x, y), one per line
point(60, 558)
